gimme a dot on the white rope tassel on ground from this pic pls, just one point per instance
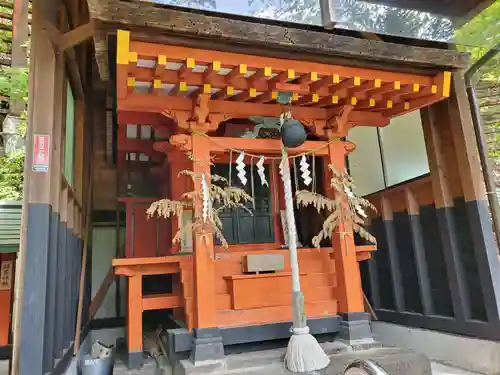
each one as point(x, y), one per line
point(304, 354)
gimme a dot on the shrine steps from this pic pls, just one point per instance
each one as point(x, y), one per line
point(234, 318)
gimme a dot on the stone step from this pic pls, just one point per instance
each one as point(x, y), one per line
point(394, 361)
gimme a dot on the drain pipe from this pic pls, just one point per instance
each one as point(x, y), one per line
point(480, 139)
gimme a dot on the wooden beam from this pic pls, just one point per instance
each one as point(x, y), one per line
point(284, 76)
point(76, 36)
point(161, 301)
point(224, 93)
point(245, 95)
point(265, 146)
point(238, 71)
point(187, 67)
point(160, 65)
point(345, 84)
point(147, 269)
point(260, 75)
point(243, 63)
point(151, 103)
point(212, 71)
point(101, 293)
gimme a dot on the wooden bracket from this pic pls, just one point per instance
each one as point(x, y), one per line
point(64, 41)
point(339, 122)
point(181, 141)
point(76, 36)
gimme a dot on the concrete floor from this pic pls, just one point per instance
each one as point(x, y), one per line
point(437, 369)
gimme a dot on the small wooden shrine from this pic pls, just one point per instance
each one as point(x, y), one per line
point(198, 104)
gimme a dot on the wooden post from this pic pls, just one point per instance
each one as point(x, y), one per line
point(354, 326)
point(350, 293)
point(476, 204)
point(30, 330)
point(435, 123)
point(204, 268)
point(134, 334)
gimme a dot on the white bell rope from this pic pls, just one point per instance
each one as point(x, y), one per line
point(304, 354)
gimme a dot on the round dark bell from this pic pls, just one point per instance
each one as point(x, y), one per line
point(293, 133)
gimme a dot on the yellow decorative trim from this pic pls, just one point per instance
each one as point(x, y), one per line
point(229, 90)
point(207, 88)
point(378, 83)
point(416, 87)
point(314, 76)
point(354, 100)
point(130, 81)
point(434, 89)
point(190, 63)
point(407, 106)
point(295, 96)
point(252, 92)
point(274, 95)
point(389, 104)
point(315, 98)
point(157, 84)
point(446, 84)
point(372, 102)
point(243, 68)
point(336, 78)
point(357, 81)
point(397, 85)
point(216, 65)
point(335, 99)
point(133, 57)
point(162, 60)
point(122, 47)
point(183, 87)
point(268, 71)
point(291, 74)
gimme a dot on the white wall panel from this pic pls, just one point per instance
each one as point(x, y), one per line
point(103, 251)
point(365, 164)
point(403, 149)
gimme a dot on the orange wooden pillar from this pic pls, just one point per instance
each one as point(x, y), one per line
point(134, 324)
point(204, 268)
point(207, 342)
point(354, 325)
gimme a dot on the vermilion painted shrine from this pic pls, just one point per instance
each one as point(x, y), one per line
point(158, 90)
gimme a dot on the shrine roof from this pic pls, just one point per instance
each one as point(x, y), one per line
point(153, 78)
point(230, 33)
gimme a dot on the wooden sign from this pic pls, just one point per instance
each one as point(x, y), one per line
point(41, 153)
point(6, 271)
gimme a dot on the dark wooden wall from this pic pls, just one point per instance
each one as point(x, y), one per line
point(437, 264)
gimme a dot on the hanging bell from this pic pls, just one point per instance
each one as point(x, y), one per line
point(293, 133)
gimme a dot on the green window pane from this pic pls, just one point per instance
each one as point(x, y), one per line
point(69, 142)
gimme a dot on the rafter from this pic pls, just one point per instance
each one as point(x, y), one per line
point(148, 103)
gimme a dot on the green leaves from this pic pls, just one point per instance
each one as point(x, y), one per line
point(11, 176)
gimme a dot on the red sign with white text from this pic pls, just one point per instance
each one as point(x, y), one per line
point(41, 153)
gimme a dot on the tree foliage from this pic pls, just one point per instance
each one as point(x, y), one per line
point(14, 84)
point(477, 37)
